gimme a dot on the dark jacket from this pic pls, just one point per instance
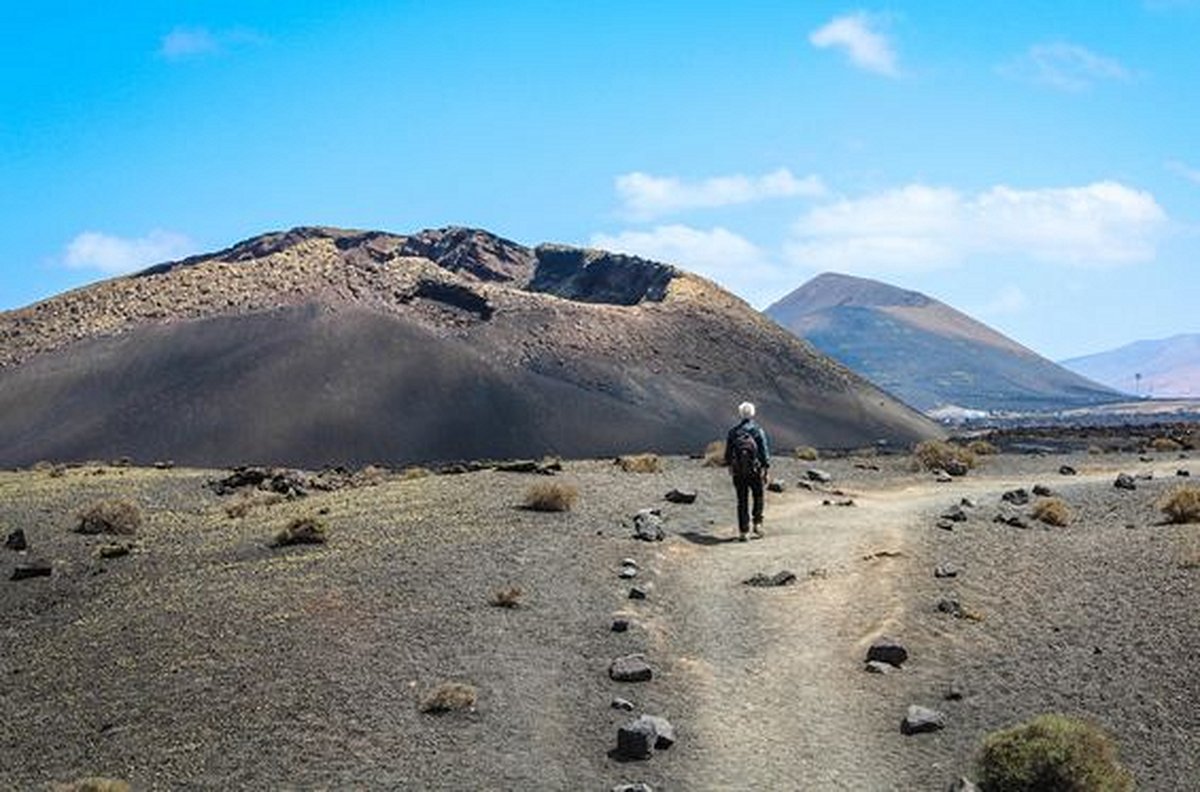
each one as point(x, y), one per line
point(760, 439)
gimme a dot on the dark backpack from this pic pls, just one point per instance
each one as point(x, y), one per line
point(743, 455)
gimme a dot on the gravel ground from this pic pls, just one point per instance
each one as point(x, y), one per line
point(207, 659)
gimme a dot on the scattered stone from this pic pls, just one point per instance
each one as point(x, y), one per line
point(114, 550)
point(524, 466)
point(953, 692)
point(291, 483)
point(639, 738)
point(967, 503)
point(630, 668)
point(922, 719)
point(819, 476)
point(887, 650)
point(955, 514)
point(950, 606)
point(16, 540)
point(783, 577)
point(1015, 520)
point(1125, 481)
point(945, 571)
point(681, 496)
point(775, 486)
point(648, 525)
point(1067, 470)
point(962, 784)
point(878, 667)
point(620, 625)
point(942, 477)
point(1017, 497)
point(637, 592)
point(883, 554)
point(1145, 475)
point(1042, 491)
point(663, 729)
point(1144, 458)
point(627, 572)
point(622, 704)
point(805, 485)
point(31, 569)
point(866, 466)
point(844, 502)
point(1183, 472)
point(629, 562)
point(956, 467)
point(639, 787)
point(820, 573)
point(164, 464)
point(945, 525)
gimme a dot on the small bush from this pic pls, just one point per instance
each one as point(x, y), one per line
point(1165, 444)
point(506, 597)
point(94, 784)
point(551, 496)
point(714, 454)
point(640, 463)
point(1182, 504)
point(941, 455)
point(302, 530)
point(982, 448)
point(116, 516)
point(413, 473)
point(450, 697)
point(1051, 511)
point(807, 453)
point(249, 502)
point(1051, 753)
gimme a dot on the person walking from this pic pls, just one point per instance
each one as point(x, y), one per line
point(749, 458)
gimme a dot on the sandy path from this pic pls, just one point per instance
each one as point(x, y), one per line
point(773, 677)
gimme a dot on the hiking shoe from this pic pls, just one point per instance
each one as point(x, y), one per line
point(742, 537)
point(758, 532)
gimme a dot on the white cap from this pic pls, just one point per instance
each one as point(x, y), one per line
point(746, 410)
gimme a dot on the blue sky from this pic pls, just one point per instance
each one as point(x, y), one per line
point(1036, 165)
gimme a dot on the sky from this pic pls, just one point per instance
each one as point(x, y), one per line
point(1036, 165)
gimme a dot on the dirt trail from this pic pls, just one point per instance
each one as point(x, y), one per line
point(773, 676)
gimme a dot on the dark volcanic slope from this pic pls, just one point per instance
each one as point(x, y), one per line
point(925, 352)
point(320, 346)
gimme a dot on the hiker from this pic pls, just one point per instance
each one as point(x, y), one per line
point(749, 458)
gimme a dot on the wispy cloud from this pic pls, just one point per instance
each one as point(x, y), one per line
point(644, 197)
point(1184, 170)
point(1006, 302)
point(918, 227)
point(1065, 67)
point(190, 42)
point(859, 36)
point(115, 255)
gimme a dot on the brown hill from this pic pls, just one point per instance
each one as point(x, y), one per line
point(321, 346)
point(926, 353)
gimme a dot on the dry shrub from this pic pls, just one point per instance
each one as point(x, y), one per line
point(506, 597)
point(1095, 450)
point(940, 455)
point(302, 530)
point(1051, 511)
point(714, 454)
point(1051, 753)
point(982, 448)
point(551, 496)
point(1182, 504)
point(115, 516)
point(1165, 444)
point(414, 472)
point(249, 502)
point(807, 453)
point(640, 463)
point(450, 697)
point(94, 784)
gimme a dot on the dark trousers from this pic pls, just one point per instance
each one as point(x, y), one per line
point(745, 487)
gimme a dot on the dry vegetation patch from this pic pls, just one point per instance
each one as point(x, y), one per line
point(506, 597)
point(982, 448)
point(1182, 504)
point(807, 453)
point(1052, 511)
point(1165, 444)
point(942, 455)
point(640, 463)
point(1051, 753)
point(450, 697)
point(301, 531)
point(94, 784)
point(248, 502)
point(551, 496)
point(415, 472)
point(714, 454)
point(114, 516)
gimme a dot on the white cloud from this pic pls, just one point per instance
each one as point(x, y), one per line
point(645, 197)
point(1184, 170)
point(1065, 67)
point(189, 42)
point(115, 255)
point(918, 227)
point(866, 47)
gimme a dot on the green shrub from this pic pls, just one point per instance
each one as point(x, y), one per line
point(1051, 753)
point(115, 516)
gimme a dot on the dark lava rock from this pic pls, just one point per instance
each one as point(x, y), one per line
point(819, 476)
point(31, 569)
point(945, 571)
point(681, 496)
point(291, 483)
point(887, 650)
point(967, 503)
point(1015, 520)
point(953, 692)
point(620, 625)
point(783, 577)
point(637, 592)
point(630, 668)
point(956, 467)
point(1125, 481)
point(1183, 472)
point(955, 514)
point(950, 606)
point(1017, 497)
point(1042, 491)
point(648, 526)
point(621, 704)
point(114, 550)
point(635, 740)
point(1067, 470)
point(541, 468)
point(16, 540)
point(945, 525)
point(663, 730)
point(775, 486)
point(922, 719)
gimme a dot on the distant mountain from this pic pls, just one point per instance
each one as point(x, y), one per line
point(321, 346)
point(1165, 368)
point(926, 353)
